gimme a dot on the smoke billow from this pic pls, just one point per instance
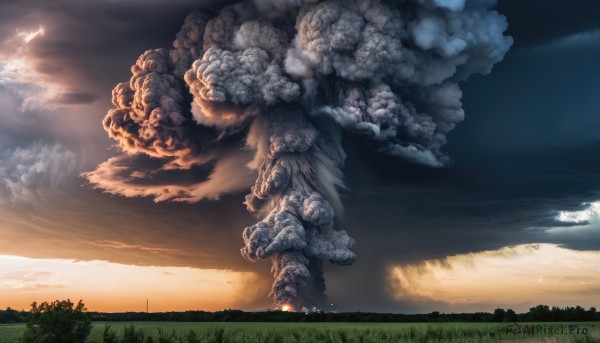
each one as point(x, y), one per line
point(26, 171)
point(281, 79)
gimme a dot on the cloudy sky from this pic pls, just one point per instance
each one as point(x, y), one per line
point(513, 221)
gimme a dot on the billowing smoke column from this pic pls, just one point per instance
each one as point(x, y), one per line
point(281, 78)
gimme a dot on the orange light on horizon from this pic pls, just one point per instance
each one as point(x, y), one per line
point(112, 287)
point(517, 277)
point(286, 308)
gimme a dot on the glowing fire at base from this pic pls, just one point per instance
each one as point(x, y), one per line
point(286, 308)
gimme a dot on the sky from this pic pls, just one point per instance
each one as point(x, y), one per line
point(512, 222)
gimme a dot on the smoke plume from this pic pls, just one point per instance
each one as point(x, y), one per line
point(280, 79)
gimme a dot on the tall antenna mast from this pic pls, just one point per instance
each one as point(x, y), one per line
point(147, 306)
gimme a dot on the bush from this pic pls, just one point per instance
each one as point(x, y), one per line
point(57, 322)
point(131, 335)
point(191, 337)
point(164, 338)
point(109, 336)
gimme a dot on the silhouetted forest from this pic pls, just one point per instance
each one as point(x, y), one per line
point(540, 313)
point(10, 316)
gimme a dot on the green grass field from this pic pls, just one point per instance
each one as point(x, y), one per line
point(327, 332)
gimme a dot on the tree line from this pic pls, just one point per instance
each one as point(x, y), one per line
point(540, 313)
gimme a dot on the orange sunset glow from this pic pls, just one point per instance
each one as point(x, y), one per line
point(518, 277)
point(111, 287)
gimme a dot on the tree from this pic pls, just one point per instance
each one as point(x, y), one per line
point(10, 316)
point(540, 313)
point(60, 321)
point(498, 315)
point(510, 316)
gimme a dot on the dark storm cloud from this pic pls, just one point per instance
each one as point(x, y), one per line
point(89, 226)
point(58, 63)
point(92, 43)
point(404, 214)
point(24, 170)
point(535, 22)
point(526, 152)
point(86, 47)
point(101, 227)
point(540, 96)
point(75, 98)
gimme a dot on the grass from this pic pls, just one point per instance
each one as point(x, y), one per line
point(321, 333)
point(11, 333)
